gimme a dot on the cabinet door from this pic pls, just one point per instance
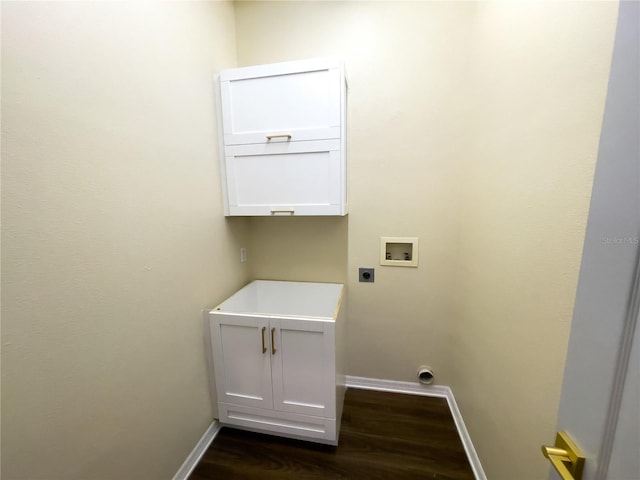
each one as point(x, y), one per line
point(303, 367)
point(287, 178)
point(300, 99)
point(241, 364)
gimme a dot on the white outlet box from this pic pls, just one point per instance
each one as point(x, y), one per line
point(243, 254)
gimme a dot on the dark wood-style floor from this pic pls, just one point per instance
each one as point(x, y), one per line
point(384, 436)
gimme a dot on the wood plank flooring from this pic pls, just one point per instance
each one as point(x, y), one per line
point(384, 436)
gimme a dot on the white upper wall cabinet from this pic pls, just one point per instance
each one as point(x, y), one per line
point(301, 99)
point(283, 129)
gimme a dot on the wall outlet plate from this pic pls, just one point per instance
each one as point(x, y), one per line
point(366, 275)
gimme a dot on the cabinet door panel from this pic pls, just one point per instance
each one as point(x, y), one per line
point(243, 372)
point(293, 178)
point(260, 101)
point(303, 367)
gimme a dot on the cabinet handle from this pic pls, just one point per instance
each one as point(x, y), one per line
point(275, 211)
point(273, 342)
point(264, 349)
point(285, 135)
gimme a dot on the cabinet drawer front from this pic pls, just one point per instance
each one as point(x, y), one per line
point(302, 178)
point(267, 100)
point(262, 420)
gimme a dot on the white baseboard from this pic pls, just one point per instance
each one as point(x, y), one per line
point(416, 388)
point(198, 451)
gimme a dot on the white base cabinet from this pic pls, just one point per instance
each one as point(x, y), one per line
point(278, 371)
point(283, 131)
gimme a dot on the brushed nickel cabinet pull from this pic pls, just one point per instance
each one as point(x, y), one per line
point(264, 349)
point(273, 341)
point(285, 135)
point(275, 211)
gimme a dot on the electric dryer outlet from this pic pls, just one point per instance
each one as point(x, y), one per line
point(366, 275)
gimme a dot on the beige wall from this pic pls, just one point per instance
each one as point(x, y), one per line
point(473, 126)
point(113, 237)
point(306, 249)
point(539, 75)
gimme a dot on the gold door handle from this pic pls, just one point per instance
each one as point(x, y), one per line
point(264, 348)
point(273, 341)
point(566, 457)
point(285, 135)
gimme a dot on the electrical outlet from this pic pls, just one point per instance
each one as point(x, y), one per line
point(243, 254)
point(366, 275)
